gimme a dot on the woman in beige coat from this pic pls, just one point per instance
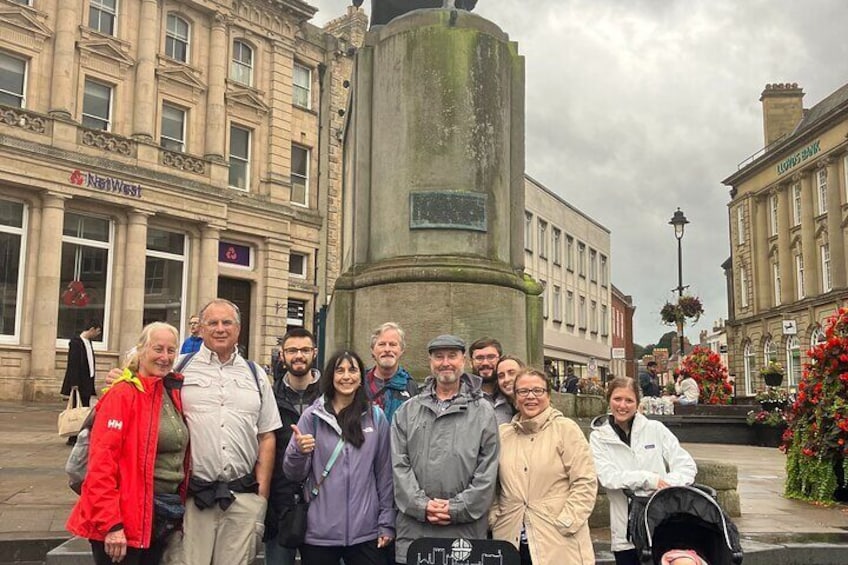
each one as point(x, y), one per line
point(546, 480)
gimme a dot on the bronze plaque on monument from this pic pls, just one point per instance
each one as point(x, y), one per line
point(447, 209)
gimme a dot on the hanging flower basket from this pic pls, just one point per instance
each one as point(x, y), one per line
point(772, 374)
point(687, 308)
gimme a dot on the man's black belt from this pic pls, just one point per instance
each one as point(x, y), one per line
point(209, 493)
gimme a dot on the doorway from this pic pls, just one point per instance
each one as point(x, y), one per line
point(238, 292)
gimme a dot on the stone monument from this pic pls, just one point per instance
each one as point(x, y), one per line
point(433, 217)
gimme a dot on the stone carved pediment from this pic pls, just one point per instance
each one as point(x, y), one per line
point(24, 20)
point(181, 74)
point(249, 97)
point(772, 252)
point(106, 48)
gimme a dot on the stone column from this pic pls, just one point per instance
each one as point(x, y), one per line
point(132, 309)
point(207, 285)
point(144, 110)
point(46, 300)
point(761, 272)
point(835, 234)
point(784, 219)
point(808, 235)
point(216, 117)
point(62, 87)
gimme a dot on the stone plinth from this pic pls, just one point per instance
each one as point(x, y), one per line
point(434, 203)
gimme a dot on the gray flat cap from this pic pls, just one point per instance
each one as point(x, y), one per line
point(446, 341)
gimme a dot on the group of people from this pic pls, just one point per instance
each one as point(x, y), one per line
point(196, 459)
point(685, 387)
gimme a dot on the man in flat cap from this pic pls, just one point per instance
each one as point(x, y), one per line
point(444, 453)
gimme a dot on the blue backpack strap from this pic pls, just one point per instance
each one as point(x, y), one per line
point(186, 359)
point(255, 372)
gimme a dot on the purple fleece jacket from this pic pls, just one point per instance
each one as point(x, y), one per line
point(356, 501)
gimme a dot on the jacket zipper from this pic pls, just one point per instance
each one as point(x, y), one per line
point(146, 470)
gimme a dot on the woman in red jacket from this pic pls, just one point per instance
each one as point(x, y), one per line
point(137, 458)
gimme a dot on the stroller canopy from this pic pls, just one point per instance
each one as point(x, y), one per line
point(684, 517)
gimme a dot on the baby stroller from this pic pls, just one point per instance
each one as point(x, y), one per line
point(685, 517)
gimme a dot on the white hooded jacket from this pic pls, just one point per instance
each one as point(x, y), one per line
point(653, 454)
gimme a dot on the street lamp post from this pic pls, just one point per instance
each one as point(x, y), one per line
point(679, 221)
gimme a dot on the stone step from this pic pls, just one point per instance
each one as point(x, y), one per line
point(762, 549)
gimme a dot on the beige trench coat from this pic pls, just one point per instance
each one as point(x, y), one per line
point(546, 481)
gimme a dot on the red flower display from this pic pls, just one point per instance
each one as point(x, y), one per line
point(704, 365)
point(818, 418)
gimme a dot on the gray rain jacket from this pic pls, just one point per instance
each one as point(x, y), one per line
point(450, 454)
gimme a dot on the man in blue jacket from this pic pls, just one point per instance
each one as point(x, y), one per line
point(387, 384)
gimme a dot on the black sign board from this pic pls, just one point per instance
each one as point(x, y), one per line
point(460, 551)
point(448, 209)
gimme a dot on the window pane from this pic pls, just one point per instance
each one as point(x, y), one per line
point(241, 69)
point(82, 292)
point(95, 105)
point(299, 159)
point(12, 72)
point(297, 264)
point(163, 289)
point(10, 261)
point(239, 142)
point(301, 83)
point(11, 214)
point(173, 120)
point(86, 227)
point(166, 241)
point(238, 174)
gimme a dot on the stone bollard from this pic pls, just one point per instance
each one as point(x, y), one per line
point(723, 477)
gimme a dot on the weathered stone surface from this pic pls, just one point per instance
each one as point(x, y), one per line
point(717, 474)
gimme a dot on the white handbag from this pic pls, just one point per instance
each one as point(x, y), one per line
point(71, 419)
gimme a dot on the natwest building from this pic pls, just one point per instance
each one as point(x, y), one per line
point(154, 155)
point(787, 268)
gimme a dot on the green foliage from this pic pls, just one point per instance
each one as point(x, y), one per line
point(818, 419)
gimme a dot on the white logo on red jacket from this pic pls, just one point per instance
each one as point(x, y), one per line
point(115, 424)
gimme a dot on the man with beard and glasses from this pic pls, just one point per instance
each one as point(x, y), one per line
point(444, 453)
point(387, 384)
point(295, 389)
point(485, 353)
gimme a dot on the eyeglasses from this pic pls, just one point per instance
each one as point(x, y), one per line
point(525, 392)
point(305, 351)
point(490, 357)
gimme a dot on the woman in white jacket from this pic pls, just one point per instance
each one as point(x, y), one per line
point(633, 452)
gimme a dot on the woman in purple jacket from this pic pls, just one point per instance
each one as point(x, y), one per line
point(352, 516)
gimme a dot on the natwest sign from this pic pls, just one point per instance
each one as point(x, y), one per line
point(106, 184)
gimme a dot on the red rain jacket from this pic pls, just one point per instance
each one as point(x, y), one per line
point(118, 487)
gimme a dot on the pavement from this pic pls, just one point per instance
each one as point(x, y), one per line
point(35, 500)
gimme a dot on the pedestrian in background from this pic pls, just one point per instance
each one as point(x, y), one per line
point(193, 342)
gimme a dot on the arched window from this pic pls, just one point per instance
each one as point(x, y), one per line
point(750, 360)
point(769, 351)
point(177, 38)
point(793, 360)
point(241, 68)
point(817, 337)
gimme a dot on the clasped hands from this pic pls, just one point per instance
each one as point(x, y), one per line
point(437, 512)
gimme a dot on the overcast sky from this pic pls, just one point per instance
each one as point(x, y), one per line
point(636, 107)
